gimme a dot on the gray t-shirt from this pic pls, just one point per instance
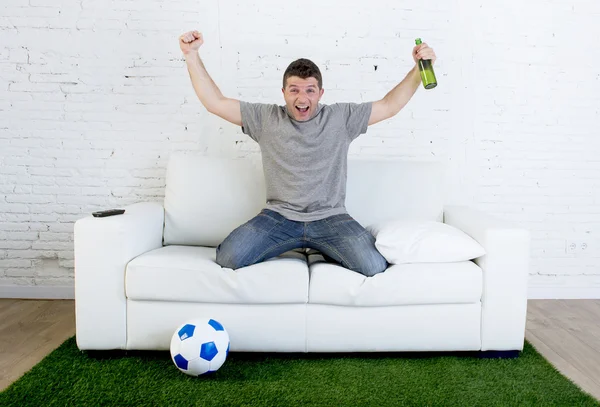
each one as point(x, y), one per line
point(305, 163)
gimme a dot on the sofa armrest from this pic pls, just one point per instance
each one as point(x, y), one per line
point(103, 247)
point(505, 274)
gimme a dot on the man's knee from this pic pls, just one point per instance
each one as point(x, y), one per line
point(366, 258)
point(371, 264)
point(243, 245)
point(230, 256)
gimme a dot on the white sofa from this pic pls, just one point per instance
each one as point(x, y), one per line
point(140, 274)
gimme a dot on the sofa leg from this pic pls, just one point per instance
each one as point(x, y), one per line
point(498, 354)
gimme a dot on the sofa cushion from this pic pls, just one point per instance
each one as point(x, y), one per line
point(401, 284)
point(190, 273)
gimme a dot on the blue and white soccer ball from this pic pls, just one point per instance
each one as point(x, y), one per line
point(199, 346)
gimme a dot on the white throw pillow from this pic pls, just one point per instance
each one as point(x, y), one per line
point(414, 241)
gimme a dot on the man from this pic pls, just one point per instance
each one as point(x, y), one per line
point(304, 148)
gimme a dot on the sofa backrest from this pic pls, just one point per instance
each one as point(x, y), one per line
point(379, 190)
point(207, 197)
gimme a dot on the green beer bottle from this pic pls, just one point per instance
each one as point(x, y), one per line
point(426, 70)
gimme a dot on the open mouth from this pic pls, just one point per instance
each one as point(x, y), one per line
point(302, 109)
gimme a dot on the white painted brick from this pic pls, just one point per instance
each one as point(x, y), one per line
point(104, 25)
point(5, 189)
point(24, 161)
point(120, 192)
point(34, 87)
point(30, 12)
point(56, 190)
point(81, 200)
point(81, 181)
point(30, 199)
point(37, 227)
point(15, 217)
point(65, 280)
point(7, 171)
point(60, 237)
point(29, 254)
point(41, 180)
point(17, 263)
point(13, 208)
point(15, 3)
point(18, 281)
point(61, 227)
point(69, 163)
point(43, 217)
point(66, 255)
point(20, 272)
point(52, 245)
point(13, 227)
point(23, 189)
point(16, 245)
point(61, 4)
point(66, 265)
point(10, 73)
point(17, 236)
point(18, 54)
point(96, 191)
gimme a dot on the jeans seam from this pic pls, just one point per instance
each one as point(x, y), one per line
point(329, 222)
point(259, 229)
point(333, 249)
point(278, 222)
point(346, 237)
point(273, 248)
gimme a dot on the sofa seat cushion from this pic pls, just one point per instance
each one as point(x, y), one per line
point(190, 273)
point(401, 284)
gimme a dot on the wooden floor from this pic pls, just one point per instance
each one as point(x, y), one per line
point(29, 330)
point(566, 332)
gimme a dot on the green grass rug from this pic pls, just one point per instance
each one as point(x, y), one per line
point(69, 377)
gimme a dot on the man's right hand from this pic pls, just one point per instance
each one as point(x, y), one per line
point(206, 90)
point(190, 42)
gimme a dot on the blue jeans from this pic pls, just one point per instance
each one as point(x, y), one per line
point(339, 238)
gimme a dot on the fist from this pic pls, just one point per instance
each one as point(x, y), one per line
point(422, 51)
point(190, 41)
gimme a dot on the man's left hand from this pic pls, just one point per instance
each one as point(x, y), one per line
point(423, 51)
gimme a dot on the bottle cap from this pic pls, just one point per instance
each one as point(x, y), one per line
point(418, 41)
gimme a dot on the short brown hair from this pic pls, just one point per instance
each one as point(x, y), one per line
point(303, 68)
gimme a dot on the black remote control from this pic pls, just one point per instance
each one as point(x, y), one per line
point(108, 212)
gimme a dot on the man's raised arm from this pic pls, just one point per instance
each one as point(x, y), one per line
point(398, 97)
point(206, 90)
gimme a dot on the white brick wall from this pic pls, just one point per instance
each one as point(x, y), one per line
point(95, 95)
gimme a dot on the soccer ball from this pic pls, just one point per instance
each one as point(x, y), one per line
point(199, 346)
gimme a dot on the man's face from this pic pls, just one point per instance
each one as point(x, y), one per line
point(302, 97)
